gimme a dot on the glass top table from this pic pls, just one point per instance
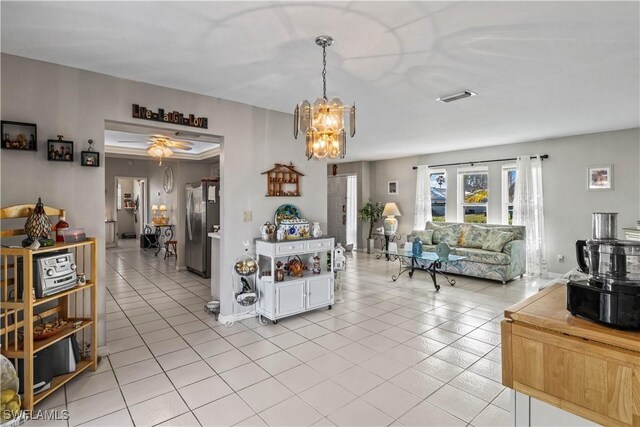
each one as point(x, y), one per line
point(427, 261)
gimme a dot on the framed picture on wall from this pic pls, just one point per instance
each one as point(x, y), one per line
point(19, 136)
point(600, 178)
point(90, 158)
point(59, 150)
point(392, 187)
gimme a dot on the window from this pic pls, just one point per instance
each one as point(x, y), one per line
point(508, 191)
point(473, 194)
point(438, 189)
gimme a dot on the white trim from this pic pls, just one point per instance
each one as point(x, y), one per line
point(235, 317)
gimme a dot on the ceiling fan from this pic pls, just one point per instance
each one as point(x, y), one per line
point(160, 146)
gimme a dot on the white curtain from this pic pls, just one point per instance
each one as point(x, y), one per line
point(423, 198)
point(528, 210)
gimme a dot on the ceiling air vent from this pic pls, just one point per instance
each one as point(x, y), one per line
point(456, 96)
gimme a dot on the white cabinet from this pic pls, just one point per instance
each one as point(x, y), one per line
point(319, 292)
point(290, 298)
point(294, 295)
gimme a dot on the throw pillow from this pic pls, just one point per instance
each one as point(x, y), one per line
point(449, 233)
point(496, 240)
point(425, 236)
point(474, 236)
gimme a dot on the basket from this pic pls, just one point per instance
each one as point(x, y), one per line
point(247, 296)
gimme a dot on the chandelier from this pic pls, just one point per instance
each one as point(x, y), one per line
point(323, 121)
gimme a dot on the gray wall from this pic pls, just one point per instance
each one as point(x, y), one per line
point(568, 204)
point(76, 104)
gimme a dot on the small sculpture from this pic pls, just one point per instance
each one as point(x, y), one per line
point(315, 269)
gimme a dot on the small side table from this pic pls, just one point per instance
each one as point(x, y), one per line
point(385, 239)
point(162, 233)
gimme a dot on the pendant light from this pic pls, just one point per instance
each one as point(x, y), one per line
point(323, 121)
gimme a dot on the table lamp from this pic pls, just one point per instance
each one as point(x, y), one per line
point(390, 222)
point(163, 216)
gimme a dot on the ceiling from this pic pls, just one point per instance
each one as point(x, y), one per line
point(541, 69)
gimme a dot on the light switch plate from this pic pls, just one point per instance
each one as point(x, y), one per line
point(247, 216)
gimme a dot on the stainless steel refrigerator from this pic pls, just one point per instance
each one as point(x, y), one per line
point(203, 212)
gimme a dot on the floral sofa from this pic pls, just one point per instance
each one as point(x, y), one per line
point(503, 258)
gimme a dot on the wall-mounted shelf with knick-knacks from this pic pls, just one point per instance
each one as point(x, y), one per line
point(283, 181)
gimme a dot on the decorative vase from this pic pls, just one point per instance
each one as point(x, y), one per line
point(316, 231)
point(443, 250)
point(416, 248)
point(38, 224)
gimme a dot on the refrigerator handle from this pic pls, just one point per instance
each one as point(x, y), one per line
point(189, 204)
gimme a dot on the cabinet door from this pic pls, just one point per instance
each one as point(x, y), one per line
point(319, 291)
point(290, 298)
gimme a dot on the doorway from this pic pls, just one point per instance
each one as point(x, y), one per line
point(342, 220)
point(130, 206)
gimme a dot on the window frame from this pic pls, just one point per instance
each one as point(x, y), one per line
point(505, 191)
point(472, 170)
point(437, 172)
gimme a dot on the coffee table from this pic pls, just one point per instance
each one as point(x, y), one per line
point(427, 261)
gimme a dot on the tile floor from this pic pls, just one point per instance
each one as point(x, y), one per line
point(388, 353)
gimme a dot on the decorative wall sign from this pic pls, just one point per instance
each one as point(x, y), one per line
point(173, 117)
point(59, 150)
point(19, 136)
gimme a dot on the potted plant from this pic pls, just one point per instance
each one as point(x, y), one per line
point(371, 212)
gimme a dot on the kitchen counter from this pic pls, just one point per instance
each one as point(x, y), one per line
point(215, 235)
point(579, 366)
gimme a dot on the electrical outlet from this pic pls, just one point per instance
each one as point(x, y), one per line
point(560, 258)
point(247, 216)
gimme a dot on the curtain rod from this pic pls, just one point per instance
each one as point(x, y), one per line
point(542, 157)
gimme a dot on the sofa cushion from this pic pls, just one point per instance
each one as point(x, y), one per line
point(449, 234)
point(496, 240)
point(474, 236)
point(425, 236)
point(482, 256)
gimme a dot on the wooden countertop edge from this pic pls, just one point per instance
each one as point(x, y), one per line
point(508, 313)
point(571, 325)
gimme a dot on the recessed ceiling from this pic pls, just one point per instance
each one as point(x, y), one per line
point(541, 69)
point(113, 144)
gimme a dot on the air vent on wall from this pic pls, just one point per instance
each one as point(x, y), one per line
point(456, 96)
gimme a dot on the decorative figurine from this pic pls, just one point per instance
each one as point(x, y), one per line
point(315, 269)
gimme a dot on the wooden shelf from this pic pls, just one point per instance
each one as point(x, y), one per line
point(56, 247)
point(60, 380)
point(38, 345)
point(54, 297)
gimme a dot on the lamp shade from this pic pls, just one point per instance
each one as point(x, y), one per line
point(154, 207)
point(390, 209)
point(162, 208)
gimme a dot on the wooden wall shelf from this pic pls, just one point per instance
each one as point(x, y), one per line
point(283, 181)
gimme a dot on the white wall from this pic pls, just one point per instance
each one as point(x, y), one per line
point(568, 205)
point(125, 220)
point(76, 104)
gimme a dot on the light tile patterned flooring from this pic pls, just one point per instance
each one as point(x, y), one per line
point(386, 354)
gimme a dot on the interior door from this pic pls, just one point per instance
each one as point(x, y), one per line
point(337, 208)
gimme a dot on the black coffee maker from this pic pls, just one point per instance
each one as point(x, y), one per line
point(611, 294)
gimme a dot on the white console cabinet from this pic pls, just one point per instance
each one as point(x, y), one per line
point(294, 295)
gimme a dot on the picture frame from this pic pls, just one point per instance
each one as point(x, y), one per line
point(59, 150)
point(392, 187)
point(19, 136)
point(90, 158)
point(600, 178)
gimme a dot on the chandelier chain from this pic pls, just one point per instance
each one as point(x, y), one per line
point(324, 73)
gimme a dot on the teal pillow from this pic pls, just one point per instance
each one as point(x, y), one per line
point(496, 240)
point(425, 236)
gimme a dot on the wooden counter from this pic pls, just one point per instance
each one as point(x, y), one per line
point(574, 364)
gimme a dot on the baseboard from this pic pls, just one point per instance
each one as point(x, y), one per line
point(103, 351)
point(235, 317)
point(181, 268)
